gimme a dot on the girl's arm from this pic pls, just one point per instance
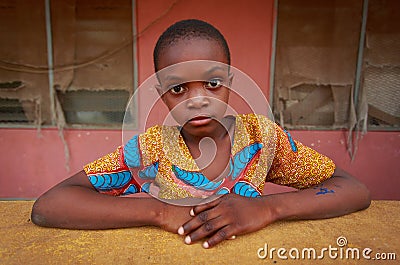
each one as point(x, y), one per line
point(75, 204)
point(233, 215)
point(339, 195)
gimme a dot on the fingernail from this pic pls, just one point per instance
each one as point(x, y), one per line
point(191, 212)
point(206, 245)
point(188, 240)
point(181, 231)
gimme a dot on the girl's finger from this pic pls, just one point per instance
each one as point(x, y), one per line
point(197, 221)
point(205, 230)
point(221, 235)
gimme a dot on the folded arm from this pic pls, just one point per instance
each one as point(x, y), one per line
point(233, 215)
point(75, 204)
point(339, 195)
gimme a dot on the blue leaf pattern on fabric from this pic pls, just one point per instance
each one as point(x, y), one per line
point(132, 153)
point(223, 191)
point(149, 172)
point(146, 187)
point(242, 158)
point(131, 189)
point(111, 181)
point(245, 189)
point(195, 179)
point(230, 166)
point(292, 143)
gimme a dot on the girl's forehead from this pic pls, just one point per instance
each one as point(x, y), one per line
point(190, 50)
point(196, 70)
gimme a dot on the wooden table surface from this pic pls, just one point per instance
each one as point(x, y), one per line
point(377, 229)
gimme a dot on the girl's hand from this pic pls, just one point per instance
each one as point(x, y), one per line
point(171, 217)
point(225, 218)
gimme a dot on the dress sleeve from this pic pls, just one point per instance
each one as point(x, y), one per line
point(113, 174)
point(297, 165)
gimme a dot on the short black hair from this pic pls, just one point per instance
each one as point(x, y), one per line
point(187, 30)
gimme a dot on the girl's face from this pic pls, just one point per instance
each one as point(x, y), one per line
point(196, 93)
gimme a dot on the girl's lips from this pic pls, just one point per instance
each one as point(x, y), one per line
point(200, 121)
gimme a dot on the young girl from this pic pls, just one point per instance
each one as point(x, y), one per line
point(162, 162)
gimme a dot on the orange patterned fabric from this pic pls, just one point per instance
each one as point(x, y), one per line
point(301, 169)
point(261, 152)
point(109, 163)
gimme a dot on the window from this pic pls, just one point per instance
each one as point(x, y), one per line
point(320, 81)
point(381, 64)
point(68, 60)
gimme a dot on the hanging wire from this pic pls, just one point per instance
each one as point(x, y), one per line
point(29, 68)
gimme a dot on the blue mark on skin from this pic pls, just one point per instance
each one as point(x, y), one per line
point(323, 191)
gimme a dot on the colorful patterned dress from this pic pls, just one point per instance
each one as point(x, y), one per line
point(261, 152)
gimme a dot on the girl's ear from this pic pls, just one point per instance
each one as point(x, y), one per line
point(230, 76)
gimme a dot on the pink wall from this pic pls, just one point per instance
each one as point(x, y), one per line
point(375, 163)
point(30, 164)
point(247, 29)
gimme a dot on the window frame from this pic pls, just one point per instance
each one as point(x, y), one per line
point(357, 81)
point(52, 91)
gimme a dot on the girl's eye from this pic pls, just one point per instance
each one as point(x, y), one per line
point(178, 89)
point(214, 83)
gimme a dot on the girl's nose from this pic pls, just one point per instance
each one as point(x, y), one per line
point(198, 97)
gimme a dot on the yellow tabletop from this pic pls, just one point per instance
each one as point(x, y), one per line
point(370, 235)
